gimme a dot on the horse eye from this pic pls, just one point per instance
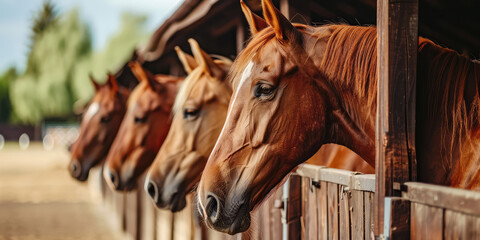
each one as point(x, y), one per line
point(263, 90)
point(141, 119)
point(105, 119)
point(190, 114)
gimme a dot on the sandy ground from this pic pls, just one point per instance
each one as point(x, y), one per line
point(39, 199)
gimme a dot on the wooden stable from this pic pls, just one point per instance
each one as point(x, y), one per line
point(318, 202)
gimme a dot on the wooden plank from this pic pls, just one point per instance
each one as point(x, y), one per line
point(461, 226)
point(294, 208)
point(310, 212)
point(165, 226)
point(344, 216)
point(358, 215)
point(322, 201)
point(332, 214)
point(146, 213)
point(369, 215)
point(275, 221)
point(397, 36)
point(131, 214)
point(95, 179)
point(456, 199)
point(119, 209)
point(397, 213)
point(426, 222)
point(183, 222)
point(354, 180)
point(146, 217)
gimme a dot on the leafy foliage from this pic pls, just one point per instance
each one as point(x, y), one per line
point(118, 50)
point(5, 105)
point(44, 19)
point(46, 91)
point(60, 60)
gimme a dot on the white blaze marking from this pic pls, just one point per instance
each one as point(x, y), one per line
point(245, 75)
point(92, 110)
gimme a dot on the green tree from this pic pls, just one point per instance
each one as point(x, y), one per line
point(61, 59)
point(5, 105)
point(44, 19)
point(47, 91)
point(118, 50)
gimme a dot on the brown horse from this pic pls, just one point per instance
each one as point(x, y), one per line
point(99, 127)
point(200, 111)
point(298, 87)
point(143, 129)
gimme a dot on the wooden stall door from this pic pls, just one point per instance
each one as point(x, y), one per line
point(397, 26)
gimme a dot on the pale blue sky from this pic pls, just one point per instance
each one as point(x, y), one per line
point(102, 16)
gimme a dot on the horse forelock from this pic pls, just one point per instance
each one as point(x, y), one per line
point(185, 89)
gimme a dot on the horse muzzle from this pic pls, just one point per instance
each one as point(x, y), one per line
point(228, 216)
point(77, 171)
point(170, 198)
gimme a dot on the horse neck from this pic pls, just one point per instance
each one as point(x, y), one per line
point(350, 73)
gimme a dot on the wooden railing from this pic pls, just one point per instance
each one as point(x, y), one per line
point(323, 203)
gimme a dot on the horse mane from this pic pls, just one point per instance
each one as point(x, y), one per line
point(350, 60)
point(453, 95)
point(192, 79)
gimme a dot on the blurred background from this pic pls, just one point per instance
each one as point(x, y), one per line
point(48, 48)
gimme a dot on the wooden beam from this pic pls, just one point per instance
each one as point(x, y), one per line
point(241, 36)
point(397, 35)
point(296, 11)
point(455, 199)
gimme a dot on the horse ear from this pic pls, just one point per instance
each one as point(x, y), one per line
point(283, 28)
point(187, 60)
point(112, 82)
point(205, 61)
point(143, 75)
point(255, 22)
point(138, 71)
point(94, 82)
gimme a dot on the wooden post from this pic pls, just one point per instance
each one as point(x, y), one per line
point(296, 11)
point(397, 22)
point(294, 207)
point(241, 37)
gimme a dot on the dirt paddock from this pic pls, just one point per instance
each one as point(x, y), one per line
point(39, 200)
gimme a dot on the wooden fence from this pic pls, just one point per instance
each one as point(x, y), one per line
point(321, 203)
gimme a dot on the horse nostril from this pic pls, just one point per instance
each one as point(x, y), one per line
point(212, 208)
point(112, 176)
point(75, 168)
point(152, 190)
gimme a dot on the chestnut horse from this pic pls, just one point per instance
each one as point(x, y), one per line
point(200, 111)
point(143, 129)
point(298, 87)
point(99, 127)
